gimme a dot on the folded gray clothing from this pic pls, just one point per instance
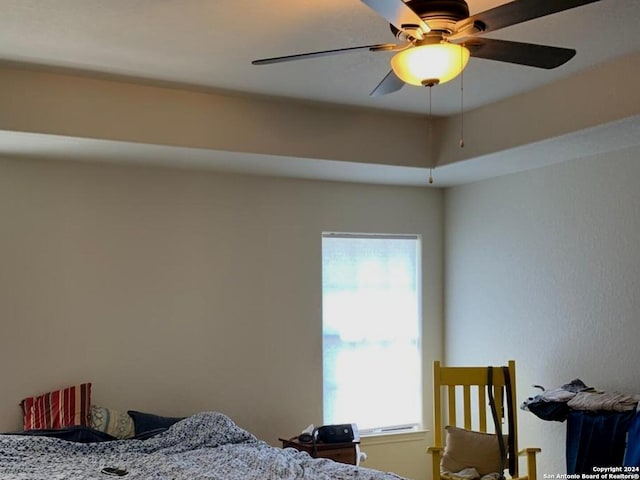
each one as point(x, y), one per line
point(576, 385)
point(561, 394)
point(616, 402)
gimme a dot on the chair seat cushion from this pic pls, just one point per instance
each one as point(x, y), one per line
point(470, 449)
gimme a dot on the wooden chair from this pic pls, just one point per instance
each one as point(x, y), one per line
point(460, 399)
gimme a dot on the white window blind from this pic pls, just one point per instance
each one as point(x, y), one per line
point(371, 331)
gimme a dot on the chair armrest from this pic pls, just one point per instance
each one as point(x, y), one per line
point(527, 451)
point(531, 461)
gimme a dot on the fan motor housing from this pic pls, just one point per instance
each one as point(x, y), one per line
point(440, 15)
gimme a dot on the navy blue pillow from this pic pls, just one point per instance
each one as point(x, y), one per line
point(148, 424)
point(74, 433)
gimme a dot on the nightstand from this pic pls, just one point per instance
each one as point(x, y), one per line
point(339, 452)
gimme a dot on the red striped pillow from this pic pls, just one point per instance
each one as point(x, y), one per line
point(59, 409)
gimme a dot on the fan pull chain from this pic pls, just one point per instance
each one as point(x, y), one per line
point(461, 102)
point(430, 138)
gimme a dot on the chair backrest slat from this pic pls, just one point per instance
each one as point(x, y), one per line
point(467, 406)
point(452, 405)
point(498, 396)
point(482, 412)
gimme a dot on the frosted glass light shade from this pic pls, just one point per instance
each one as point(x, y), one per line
point(430, 64)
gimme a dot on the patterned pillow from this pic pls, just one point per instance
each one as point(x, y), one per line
point(115, 423)
point(58, 409)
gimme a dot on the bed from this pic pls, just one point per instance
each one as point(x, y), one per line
point(208, 445)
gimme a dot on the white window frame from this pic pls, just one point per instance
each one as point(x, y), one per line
point(408, 427)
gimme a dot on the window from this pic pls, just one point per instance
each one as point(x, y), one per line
point(371, 331)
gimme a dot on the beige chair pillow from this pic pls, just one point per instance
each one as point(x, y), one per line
point(469, 449)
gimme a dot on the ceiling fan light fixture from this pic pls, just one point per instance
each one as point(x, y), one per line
point(430, 64)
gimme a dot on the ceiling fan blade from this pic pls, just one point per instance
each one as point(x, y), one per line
point(532, 55)
point(399, 14)
point(518, 11)
point(325, 53)
point(389, 84)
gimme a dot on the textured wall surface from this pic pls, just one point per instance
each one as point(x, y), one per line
point(177, 291)
point(544, 267)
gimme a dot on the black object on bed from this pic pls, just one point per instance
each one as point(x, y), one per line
point(77, 433)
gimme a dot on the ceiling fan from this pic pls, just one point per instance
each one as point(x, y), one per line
point(439, 36)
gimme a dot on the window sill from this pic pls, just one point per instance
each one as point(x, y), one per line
point(393, 437)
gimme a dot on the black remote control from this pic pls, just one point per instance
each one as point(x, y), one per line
point(118, 472)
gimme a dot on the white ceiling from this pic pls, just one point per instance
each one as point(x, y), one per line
point(210, 44)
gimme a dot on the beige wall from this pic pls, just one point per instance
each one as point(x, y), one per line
point(84, 107)
point(177, 291)
point(69, 104)
point(543, 267)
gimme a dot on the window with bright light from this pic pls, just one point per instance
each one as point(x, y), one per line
point(371, 331)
